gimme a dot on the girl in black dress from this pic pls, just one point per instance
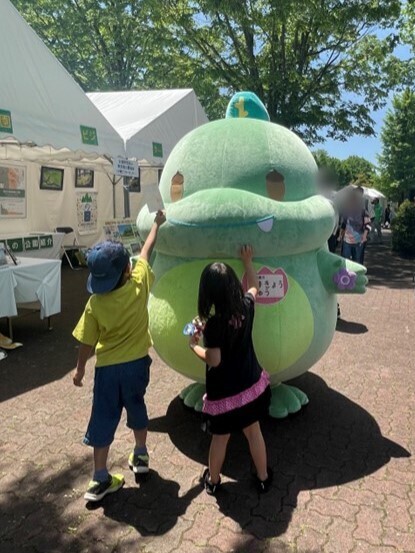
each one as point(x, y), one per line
point(237, 389)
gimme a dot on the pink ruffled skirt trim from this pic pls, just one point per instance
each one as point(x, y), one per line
point(221, 406)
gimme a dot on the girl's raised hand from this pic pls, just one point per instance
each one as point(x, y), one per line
point(247, 253)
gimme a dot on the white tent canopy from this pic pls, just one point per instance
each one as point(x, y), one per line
point(151, 122)
point(41, 106)
point(339, 198)
point(372, 193)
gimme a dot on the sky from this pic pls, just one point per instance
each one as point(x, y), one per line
point(367, 147)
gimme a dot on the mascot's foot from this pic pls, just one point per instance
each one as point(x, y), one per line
point(192, 396)
point(286, 400)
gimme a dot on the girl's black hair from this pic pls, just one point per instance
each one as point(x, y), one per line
point(220, 288)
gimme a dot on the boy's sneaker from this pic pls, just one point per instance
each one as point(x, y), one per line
point(97, 490)
point(209, 486)
point(138, 463)
point(264, 485)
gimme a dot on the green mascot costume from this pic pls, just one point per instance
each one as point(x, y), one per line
point(245, 180)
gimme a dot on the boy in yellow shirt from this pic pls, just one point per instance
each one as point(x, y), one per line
point(115, 324)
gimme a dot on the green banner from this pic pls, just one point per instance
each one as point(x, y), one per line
point(157, 149)
point(5, 121)
point(11, 193)
point(46, 241)
point(89, 135)
point(15, 244)
point(31, 243)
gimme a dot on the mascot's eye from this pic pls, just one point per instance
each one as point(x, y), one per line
point(176, 187)
point(275, 185)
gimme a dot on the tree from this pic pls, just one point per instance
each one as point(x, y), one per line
point(361, 172)
point(318, 66)
point(301, 58)
point(397, 160)
point(403, 229)
point(117, 45)
point(352, 170)
point(102, 44)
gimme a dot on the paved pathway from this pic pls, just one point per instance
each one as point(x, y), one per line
point(344, 470)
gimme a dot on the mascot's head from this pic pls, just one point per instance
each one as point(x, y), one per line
point(237, 180)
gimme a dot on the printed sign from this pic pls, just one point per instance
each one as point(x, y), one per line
point(89, 135)
point(6, 124)
point(152, 197)
point(125, 167)
point(12, 192)
point(87, 212)
point(31, 243)
point(157, 149)
point(125, 231)
point(273, 285)
point(15, 244)
point(46, 241)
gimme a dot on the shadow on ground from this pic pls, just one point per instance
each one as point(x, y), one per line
point(152, 508)
point(350, 327)
point(379, 259)
point(46, 355)
point(332, 442)
point(23, 516)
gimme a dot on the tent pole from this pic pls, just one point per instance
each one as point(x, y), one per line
point(127, 213)
point(113, 197)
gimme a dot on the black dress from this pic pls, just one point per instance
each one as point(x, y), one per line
point(237, 390)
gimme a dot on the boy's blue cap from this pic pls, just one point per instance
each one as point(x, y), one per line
point(106, 262)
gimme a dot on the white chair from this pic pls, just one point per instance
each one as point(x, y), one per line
point(75, 247)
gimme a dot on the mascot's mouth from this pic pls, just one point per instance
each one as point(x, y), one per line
point(265, 224)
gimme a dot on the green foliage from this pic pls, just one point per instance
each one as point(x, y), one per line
point(407, 36)
point(397, 160)
point(340, 173)
point(299, 57)
point(403, 229)
point(389, 188)
point(361, 171)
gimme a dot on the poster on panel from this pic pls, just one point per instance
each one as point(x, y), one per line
point(12, 192)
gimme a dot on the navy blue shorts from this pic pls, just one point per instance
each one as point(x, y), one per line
point(115, 387)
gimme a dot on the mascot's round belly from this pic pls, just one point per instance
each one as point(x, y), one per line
point(283, 328)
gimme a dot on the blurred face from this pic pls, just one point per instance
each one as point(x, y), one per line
point(355, 200)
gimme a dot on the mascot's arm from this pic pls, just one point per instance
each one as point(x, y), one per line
point(340, 275)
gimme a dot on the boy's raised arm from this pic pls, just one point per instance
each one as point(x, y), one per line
point(149, 244)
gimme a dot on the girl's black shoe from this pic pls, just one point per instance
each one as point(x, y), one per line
point(264, 485)
point(209, 486)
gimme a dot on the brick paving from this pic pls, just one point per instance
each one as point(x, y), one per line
point(344, 470)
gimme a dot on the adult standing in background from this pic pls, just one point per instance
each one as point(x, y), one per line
point(355, 227)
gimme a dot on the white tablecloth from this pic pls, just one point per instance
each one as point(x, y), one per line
point(52, 252)
point(32, 280)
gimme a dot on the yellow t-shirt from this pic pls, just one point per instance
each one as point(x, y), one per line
point(116, 323)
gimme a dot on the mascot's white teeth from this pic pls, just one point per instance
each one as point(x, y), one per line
point(266, 226)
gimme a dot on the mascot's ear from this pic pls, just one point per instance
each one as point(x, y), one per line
point(246, 104)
